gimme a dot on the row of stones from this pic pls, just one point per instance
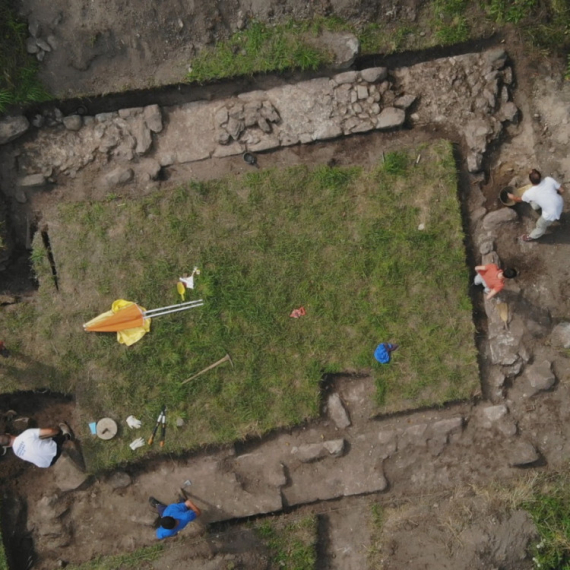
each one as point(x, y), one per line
point(36, 44)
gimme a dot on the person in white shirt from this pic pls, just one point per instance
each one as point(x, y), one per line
point(546, 195)
point(42, 447)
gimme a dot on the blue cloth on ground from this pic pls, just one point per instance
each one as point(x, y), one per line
point(181, 513)
point(382, 352)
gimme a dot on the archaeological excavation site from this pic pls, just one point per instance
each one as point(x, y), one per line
point(293, 272)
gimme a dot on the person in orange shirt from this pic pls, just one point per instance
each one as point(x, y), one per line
point(492, 278)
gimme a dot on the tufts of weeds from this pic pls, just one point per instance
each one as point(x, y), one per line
point(396, 163)
point(449, 21)
point(18, 70)
point(511, 11)
point(291, 545)
point(549, 507)
point(141, 559)
point(546, 23)
point(259, 48)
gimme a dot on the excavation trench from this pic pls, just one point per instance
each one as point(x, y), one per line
point(415, 452)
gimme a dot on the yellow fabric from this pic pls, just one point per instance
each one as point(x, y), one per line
point(130, 336)
point(181, 290)
point(126, 336)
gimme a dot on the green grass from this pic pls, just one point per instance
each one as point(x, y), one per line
point(18, 70)
point(259, 48)
point(376, 524)
point(291, 545)
point(139, 560)
point(550, 510)
point(342, 242)
point(3, 560)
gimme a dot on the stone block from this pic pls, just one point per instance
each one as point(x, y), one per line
point(361, 92)
point(309, 452)
point(494, 220)
point(68, 476)
point(374, 74)
point(12, 127)
point(73, 122)
point(346, 77)
point(153, 118)
point(540, 376)
point(337, 411)
point(390, 118)
point(493, 414)
point(404, 101)
point(560, 337)
point(119, 480)
point(523, 453)
point(118, 177)
point(32, 181)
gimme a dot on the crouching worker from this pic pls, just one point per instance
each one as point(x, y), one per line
point(492, 278)
point(173, 518)
point(40, 446)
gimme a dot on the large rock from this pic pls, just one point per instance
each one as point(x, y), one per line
point(337, 412)
point(404, 101)
point(494, 220)
point(560, 336)
point(496, 58)
point(346, 77)
point(540, 376)
point(32, 181)
point(153, 118)
point(118, 176)
point(476, 133)
point(73, 122)
point(344, 47)
point(119, 480)
point(12, 127)
point(523, 453)
point(508, 112)
point(390, 118)
point(374, 74)
point(493, 414)
point(309, 452)
point(68, 476)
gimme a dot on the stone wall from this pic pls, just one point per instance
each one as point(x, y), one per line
point(468, 94)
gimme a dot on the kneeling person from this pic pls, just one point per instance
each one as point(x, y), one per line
point(40, 446)
point(492, 278)
point(173, 518)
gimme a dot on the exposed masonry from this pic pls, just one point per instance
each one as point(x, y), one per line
point(468, 94)
point(319, 462)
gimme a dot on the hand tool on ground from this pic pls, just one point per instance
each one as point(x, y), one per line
point(163, 427)
point(226, 358)
point(158, 422)
point(186, 494)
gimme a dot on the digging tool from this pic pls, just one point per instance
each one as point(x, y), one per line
point(187, 495)
point(226, 358)
point(163, 427)
point(158, 422)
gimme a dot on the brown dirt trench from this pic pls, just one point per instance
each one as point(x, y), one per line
point(422, 459)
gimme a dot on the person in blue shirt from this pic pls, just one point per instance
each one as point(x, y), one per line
point(173, 518)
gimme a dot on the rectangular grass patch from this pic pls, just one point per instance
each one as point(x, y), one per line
point(372, 255)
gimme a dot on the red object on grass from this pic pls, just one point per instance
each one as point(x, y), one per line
point(296, 313)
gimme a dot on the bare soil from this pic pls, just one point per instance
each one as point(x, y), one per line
point(108, 47)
